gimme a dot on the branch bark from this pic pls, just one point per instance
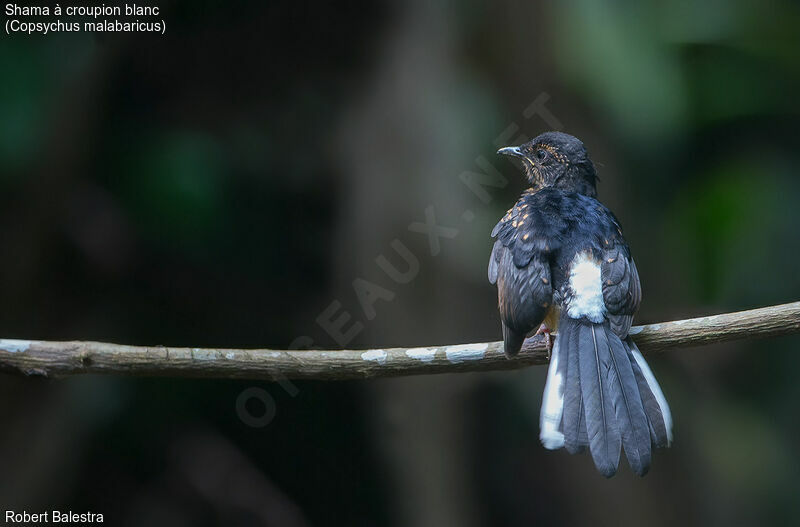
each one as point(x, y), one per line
point(58, 359)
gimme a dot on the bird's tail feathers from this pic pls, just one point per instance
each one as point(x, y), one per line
point(601, 394)
point(659, 418)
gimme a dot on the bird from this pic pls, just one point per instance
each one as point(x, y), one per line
point(561, 264)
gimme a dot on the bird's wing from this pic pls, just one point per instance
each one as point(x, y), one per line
point(520, 267)
point(622, 291)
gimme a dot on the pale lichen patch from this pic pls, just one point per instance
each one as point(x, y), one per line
point(465, 352)
point(378, 356)
point(423, 354)
point(14, 346)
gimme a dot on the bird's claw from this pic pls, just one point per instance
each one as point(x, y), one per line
point(548, 339)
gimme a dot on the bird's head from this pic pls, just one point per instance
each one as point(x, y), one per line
point(558, 160)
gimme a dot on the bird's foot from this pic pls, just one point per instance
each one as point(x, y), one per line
point(548, 338)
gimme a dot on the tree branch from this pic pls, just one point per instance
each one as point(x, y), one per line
point(57, 359)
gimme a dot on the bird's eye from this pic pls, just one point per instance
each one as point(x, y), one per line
point(541, 154)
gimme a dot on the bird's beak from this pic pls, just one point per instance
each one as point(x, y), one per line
point(511, 151)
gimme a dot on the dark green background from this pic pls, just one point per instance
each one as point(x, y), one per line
point(221, 185)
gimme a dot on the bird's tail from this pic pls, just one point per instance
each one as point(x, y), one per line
point(601, 394)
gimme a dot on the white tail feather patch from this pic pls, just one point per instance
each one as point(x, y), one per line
point(552, 404)
point(656, 389)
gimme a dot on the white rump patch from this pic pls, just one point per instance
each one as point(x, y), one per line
point(552, 404)
point(656, 389)
point(587, 289)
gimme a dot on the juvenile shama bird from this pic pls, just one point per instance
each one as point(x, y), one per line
point(560, 262)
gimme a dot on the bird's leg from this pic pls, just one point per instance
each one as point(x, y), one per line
point(548, 338)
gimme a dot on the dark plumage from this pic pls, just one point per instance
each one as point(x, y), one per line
point(559, 256)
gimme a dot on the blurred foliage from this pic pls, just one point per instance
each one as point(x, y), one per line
point(175, 181)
